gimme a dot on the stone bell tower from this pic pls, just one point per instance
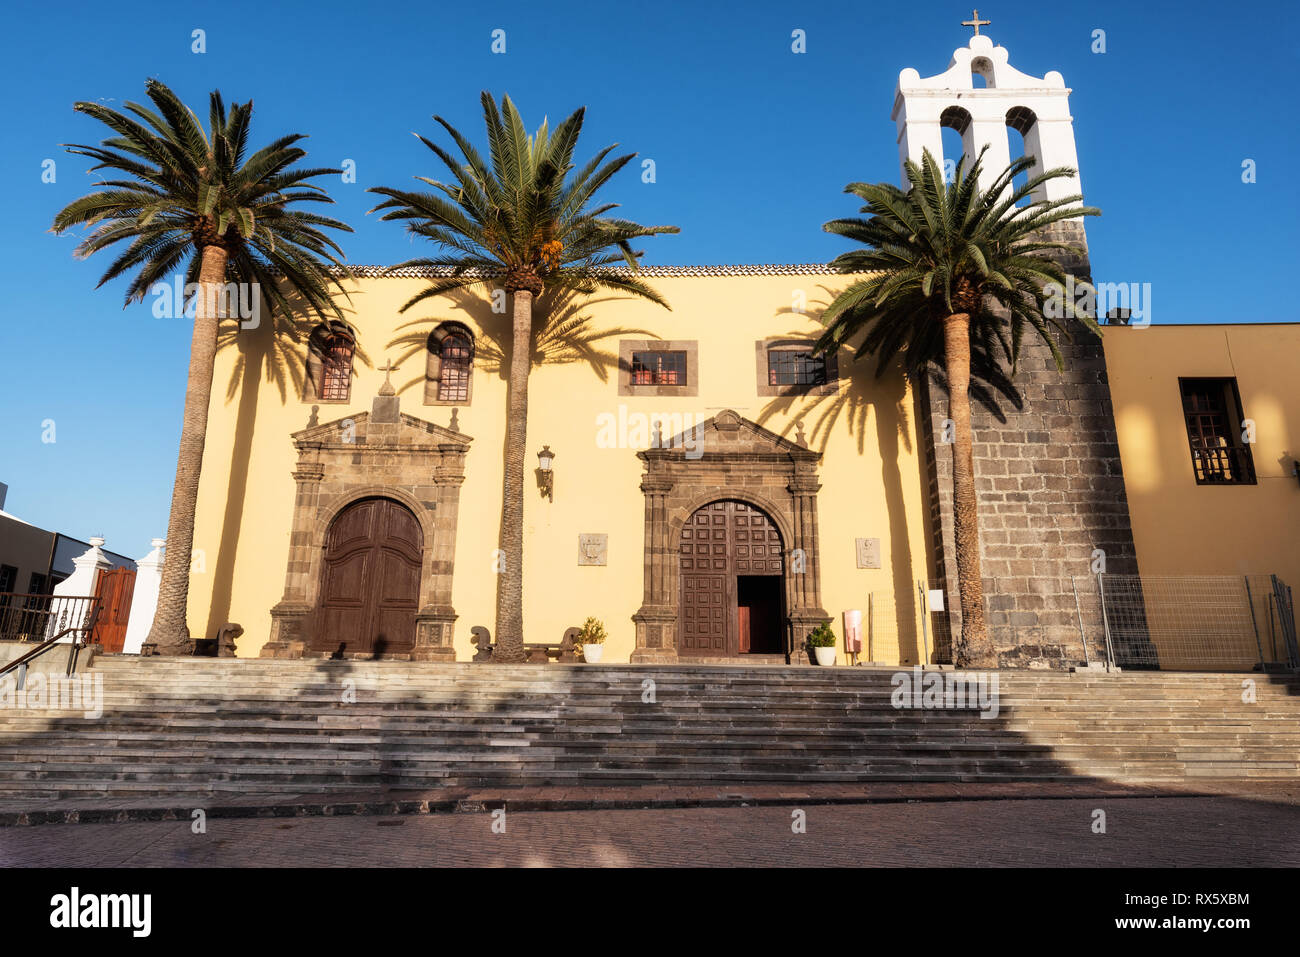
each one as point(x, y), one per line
point(1047, 475)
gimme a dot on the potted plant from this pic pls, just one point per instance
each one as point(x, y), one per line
point(822, 643)
point(591, 640)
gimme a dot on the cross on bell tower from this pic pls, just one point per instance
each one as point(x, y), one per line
point(976, 22)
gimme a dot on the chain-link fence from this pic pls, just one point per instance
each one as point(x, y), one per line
point(1182, 623)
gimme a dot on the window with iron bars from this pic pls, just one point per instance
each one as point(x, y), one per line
point(795, 367)
point(336, 368)
point(659, 368)
point(453, 376)
point(1212, 411)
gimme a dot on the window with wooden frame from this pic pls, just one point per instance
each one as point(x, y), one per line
point(791, 367)
point(1215, 432)
point(449, 376)
point(330, 352)
point(659, 368)
point(795, 367)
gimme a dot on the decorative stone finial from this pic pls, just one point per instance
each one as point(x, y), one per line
point(455, 419)
point(387, 387)
point(799, 440)
point(314, 419)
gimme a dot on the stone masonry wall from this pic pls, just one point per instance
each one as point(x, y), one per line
point(1050, 490)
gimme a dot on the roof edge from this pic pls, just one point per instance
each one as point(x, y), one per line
point(375, 271)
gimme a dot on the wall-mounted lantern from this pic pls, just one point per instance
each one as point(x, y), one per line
point(545, 476)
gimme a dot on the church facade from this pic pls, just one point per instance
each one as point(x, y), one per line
point(706, 486)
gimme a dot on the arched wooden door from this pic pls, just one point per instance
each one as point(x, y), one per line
point(732, 592)
point(370, 581)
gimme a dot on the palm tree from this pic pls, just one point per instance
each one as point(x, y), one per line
point(522, 218)
point(192, 198)
point(954, 272)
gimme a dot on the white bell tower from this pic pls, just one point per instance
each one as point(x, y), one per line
point(981, 112)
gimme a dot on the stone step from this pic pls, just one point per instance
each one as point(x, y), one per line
point(201, 729)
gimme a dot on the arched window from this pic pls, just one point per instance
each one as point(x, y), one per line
point(449, 377)
point(1022, 140)
point(329, 363)
point(954, 123)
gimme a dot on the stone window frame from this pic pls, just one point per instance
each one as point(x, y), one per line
point(761, 349)
point(691, 347)
point(315, 366)
point(433, 366)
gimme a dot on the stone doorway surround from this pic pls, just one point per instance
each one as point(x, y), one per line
point(728, 457)
point(385, 453)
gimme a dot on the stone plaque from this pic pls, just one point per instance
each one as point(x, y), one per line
point(868, 552)
point(592, 548)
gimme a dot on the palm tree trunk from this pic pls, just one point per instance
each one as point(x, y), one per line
point(972, 649)
point(510, 580)
point(170, 634)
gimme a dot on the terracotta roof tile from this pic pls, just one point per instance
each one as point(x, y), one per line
point(653, 272)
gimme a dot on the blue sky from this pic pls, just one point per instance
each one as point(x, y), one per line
point(753, 145)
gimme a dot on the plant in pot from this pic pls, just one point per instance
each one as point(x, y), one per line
point(591, 640)
point(822, 643)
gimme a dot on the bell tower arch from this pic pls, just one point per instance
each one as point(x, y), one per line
point(981, 95)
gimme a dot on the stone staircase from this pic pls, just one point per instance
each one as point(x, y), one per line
point(187, 729)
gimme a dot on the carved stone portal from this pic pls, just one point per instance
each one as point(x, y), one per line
point(378, 453)
point(729, 458)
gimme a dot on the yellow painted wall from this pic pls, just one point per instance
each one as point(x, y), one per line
point(1179, 527)
point(870, 474)
point(1182, 528)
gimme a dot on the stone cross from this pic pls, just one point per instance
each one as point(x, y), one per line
point(976, 22)
point(387, 387)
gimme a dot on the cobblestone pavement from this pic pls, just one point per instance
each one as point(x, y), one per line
point(1167, 831)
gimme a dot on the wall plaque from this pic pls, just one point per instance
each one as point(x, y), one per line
point(868, 552)
point(593, 548)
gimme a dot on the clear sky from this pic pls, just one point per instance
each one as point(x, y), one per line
point(752, 143)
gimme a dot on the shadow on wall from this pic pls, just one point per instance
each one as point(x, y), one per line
point(275, 352)
point(868, 385)
point(563, 332)
point(850, 407)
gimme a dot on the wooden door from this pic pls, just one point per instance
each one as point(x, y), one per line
point(114, 589)
point(720, 541)
point(370, 581)
point(707, 601)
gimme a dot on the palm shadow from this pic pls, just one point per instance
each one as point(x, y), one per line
point(275, 353)
point(564, 332)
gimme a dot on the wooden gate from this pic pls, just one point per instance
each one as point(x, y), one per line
point(114, 589)
point(370, 581)
point(721, 541)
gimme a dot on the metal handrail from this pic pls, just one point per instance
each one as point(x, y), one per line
point(80, 633)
